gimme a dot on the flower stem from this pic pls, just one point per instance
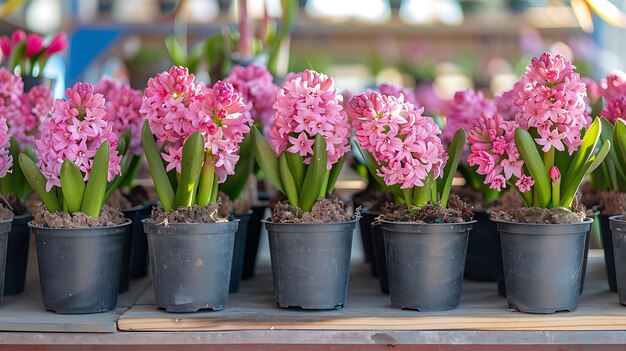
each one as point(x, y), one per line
point(207, 180)
point(556, 192)
point(548, 159)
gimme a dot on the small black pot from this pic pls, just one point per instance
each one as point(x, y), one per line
point(139, 242)
point(238, 251)
point(609, 255)
point(543, 265)
point(17, 255)
point(310, 263)
point(481, 261)
point(252, 241)
point(378, 241)
point(425, 264)
point(365, 228)
point(500, 267)
point(125, 265)
point(191, 264)
point(618, 226)
point(5, 228)
point(30, 82)
point(79, 268)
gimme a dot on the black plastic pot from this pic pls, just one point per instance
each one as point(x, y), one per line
point(252, 241)
point(500, 268)
point(238, 251)
point(191, 264)
point(425, 263)
point(481, 261)
point(378, 240)
point(30, 82)
point(543, 265)
point(139, 242)
point(79, 268)
point(310, 263)
point(5, 228)
point(365, 228)
point(618, 226)
point(17, 255)
point(125, 265)
point(609, 255)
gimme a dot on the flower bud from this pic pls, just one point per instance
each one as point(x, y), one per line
point(554, 173)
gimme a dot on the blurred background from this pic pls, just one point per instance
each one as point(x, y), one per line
point(435, 46)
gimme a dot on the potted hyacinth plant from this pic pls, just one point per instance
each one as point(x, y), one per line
point(23, 111)
point(308, 144)
point(198, 131)
point(545, 154)
point(79, 239)
point(27, 55)
point(6, 216)
point(426, 232)
point(254, 83)
point(481, 262)
point(371, 200)
point(123, 104)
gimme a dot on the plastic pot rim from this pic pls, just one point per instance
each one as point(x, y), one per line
point(543, 228)
point(311, 226)
point(228, 227)
point(427, 228)
point(92, 231)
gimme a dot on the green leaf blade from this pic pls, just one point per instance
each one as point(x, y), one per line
point(157, 169)
point(73, 186)
point(97, 182)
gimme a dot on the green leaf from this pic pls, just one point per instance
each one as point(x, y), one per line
point(290, 11)
point(97, 182)
point(176, 52)
point(208, 180)
point(266, 158)
point(73, 186)
point(157, 169)
point(334, 173)
point(191, 165)
point(372, 166)
point(619, 140)
point(130, 175)
point(194, 56)
point(125, 165)
point(534, 163)
point(297, 168)
point(314, 178)
point(454, 156)
point(123, 143)
point(38, 182)
point(594, 162)
point(287, 179)
point(581, 156)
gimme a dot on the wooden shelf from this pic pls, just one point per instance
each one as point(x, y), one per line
point(481, 308)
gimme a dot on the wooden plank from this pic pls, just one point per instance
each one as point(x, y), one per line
point(25, 312)
point(481, 308)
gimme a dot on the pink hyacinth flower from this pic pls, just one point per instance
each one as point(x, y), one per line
point(308, 103)
point(403, 141)
point(74, 131)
